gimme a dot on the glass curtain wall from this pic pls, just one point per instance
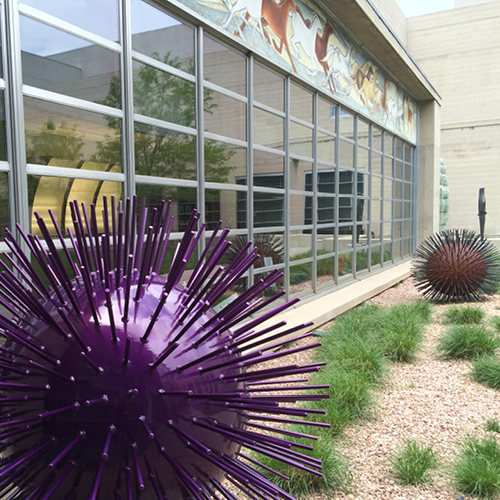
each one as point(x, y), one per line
point(119, 97)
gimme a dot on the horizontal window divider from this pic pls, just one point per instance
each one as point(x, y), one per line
point(74, 102)
point(301, 227)
point(224, 139)
point(222, 90)
point(232, 232)
point(2, 84)
point(324, 256)
point(4, 166)
point(155, 122)
point(304, 123)
point(165, 181)
point(38, 15)
point(73, 173)
point(322, 163)
point(327, 132)
point(301, 192)
point(347, 139)
point(296, 156)
point(269, 109)
point(299, 262)
point(266, 149)
point(268, 229)
point(261, 189)
point(264, 270)
point(155, 63)
point(225, 187)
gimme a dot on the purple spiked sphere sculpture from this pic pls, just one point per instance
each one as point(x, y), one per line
point(118, 383)
point(456, 265)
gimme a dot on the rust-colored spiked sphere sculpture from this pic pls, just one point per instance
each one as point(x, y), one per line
point(456, 265)
point(118, 383)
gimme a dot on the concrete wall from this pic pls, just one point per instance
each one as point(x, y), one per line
point(394, 16)
point(458, 50)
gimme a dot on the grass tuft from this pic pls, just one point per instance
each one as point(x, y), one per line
point(486, 371)
point(495, 321)
point(401, 331)
point(464, 315)
point(336, 475)
point(492, 426)
point(468, 342)
point(412, 464)
point(477, 469)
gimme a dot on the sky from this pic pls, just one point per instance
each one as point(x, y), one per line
point(412, 8)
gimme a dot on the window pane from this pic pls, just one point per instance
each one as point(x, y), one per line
point(163, 96)
point(4, 204)
point(98, 16)
point(267, 129)
point(376, 163)
point(57, 135)
point(301, 139)
point(300, 244)
point(152, 29)
point(346, 154)
point(268, 87)
point(363, 133)
point(268, 209)
point(377, 138)
point(298, 204)
point(326, 147)
point(346, 124)
point(164, 153)
point(55, 193)
point(327, 113)
point(3, 137)
point(225, 163)
point(56, 61)
point(224, 66)
point(300, 278)
point(225, 115)
point(300, 103)
point(266, 163)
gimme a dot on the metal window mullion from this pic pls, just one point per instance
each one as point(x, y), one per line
point(314, 277)
point(200, 142)
point(336, 203)
point(286, 215)
point(393, 195)
point(355, 198)
point(250, 192)
point(415, 184)
point(382, 197)
point(128, 143)
point(370, 187)
point(13, 69)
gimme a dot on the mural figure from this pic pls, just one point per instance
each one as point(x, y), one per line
point(252, 10)
point(321, 52)
point(305, 36)
point(340, 67)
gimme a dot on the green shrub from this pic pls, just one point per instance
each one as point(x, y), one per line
point(468, 342)
point(477, 469)
point(411, 464)
point(486, 371)
point(336, 475)
point(463, 315)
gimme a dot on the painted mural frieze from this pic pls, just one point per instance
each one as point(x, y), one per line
point(297, 36)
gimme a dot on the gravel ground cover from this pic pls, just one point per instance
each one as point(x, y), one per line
point(432, 400)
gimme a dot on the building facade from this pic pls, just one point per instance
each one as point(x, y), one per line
point(306, 127)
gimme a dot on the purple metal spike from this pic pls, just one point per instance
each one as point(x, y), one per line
point(150, 379)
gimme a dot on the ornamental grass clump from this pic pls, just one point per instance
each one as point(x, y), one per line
point(477, 468)
point(412, 463)
point(492, 426)
point(464, 315)
point(468, 342)
point(486, 371)
point(401, 331)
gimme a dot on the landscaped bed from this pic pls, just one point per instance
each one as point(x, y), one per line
point(432, 400)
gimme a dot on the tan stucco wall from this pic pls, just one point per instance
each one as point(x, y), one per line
point(458, 50)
